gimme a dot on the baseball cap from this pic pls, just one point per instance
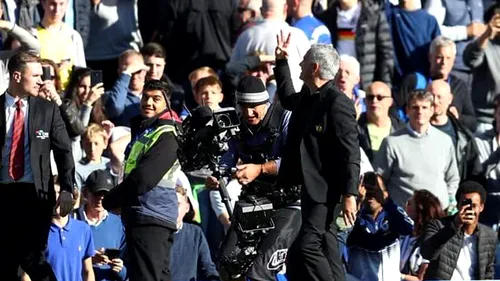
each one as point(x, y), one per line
point(99, 180)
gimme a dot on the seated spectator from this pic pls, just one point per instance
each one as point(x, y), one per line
point(360, 29)
point(208, 92)
point(458, 247)
point(422, 208)
point(483, 57)
point(121, 103)
point(412, 31)
point(107, 229)
point(347, 80)
point(373, 244)
point(94, 143)
point(463, 140)
point(190, 245)
point(70, 248)
point(375, 124)
point(59, 42)
point(442, 53)
point(418, 156)
point(489, 156)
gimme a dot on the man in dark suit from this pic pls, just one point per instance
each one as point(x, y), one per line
point(322, 155)
point(30, 128)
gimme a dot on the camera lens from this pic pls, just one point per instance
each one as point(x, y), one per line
point(223, 120)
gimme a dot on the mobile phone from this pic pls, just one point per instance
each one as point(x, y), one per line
point(95, 77)
point(112, 253)
point(46, 73)
point(467, 202)
point(370, 180)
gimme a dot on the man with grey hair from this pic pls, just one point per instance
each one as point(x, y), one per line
point(262, 38)
point(419, 156)
point(442, 53)
point(348, 79)
point(322, 157)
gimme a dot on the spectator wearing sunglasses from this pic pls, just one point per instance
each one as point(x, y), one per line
point(375, 124)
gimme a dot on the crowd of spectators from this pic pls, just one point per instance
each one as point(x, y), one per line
point(423, 76)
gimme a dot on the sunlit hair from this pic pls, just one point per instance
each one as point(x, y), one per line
point(427, 208)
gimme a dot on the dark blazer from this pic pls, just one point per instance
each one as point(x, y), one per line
point(44, 117)
point(322, 143)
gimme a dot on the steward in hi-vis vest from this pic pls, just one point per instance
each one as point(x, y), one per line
point(146, 195)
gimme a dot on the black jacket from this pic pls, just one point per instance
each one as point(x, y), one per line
point(145, 177)
point(442, 243)
point(364, 136)
point(374, 48)
point(467, 154)
point(46, 132)
point(322, 143)
point(70, 114)
point(461, 98)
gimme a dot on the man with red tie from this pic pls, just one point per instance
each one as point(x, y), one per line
point(30, 128)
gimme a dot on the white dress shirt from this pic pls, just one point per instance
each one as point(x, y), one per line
point(10, 111)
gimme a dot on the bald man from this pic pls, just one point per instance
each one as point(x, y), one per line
point(444, 120)
point(376, 123)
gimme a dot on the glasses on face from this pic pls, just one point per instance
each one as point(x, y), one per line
point(378, 97)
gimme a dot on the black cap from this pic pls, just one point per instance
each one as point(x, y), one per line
point(99, 180)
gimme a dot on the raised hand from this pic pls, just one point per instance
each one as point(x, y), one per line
point(281, 52)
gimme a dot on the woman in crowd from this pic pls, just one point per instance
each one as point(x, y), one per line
point(85, 101)
point(422, 208)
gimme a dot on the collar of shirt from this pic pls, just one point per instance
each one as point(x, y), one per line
point(415, 133)
point(10, 101)
point(67, 227)
point(97, 223)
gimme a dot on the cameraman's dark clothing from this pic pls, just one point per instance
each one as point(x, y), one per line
point(322, 154)
point(273, 247)
point(147, 197)
point(240, 148)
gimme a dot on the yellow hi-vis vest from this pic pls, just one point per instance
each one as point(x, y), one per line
point(142, 145)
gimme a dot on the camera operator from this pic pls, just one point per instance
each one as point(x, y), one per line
point(259, 147)
point(146, 196)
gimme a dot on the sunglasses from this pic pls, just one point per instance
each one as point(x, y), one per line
point(379, 97)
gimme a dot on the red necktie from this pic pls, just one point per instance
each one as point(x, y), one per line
point(16, 161)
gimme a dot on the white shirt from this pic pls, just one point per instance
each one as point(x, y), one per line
point(92, 223)
point(10, 111)
point(467, 259)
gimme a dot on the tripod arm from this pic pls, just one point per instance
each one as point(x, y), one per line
point(225, 197)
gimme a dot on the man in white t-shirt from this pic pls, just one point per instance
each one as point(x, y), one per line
point(262, 38)
point(460, 240)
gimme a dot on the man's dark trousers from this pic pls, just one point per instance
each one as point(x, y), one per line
point(148, 250)
point(315, 254)
point(26, 223)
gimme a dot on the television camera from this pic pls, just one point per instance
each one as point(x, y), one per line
point(205, 138)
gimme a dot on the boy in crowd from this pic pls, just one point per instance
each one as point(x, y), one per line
point(95, 141)
point(190, 245)
point(208, 92)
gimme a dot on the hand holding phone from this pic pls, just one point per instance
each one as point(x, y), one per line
point(95, 77)
point(112, 253)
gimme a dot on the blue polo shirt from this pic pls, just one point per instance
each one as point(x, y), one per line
point(68, 247)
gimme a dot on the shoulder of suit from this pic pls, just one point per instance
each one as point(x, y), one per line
point(41, 102)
